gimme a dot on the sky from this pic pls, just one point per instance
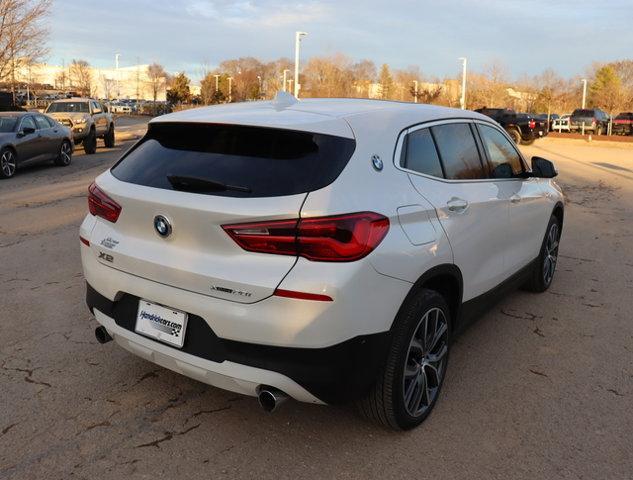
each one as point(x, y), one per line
point(525, 36)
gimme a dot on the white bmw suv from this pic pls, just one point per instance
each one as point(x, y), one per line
point(325, 249)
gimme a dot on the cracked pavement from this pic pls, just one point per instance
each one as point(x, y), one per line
point(540, 387)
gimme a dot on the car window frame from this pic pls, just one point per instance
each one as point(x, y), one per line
point(483, 157)
point(524, 166)
point(22, 120)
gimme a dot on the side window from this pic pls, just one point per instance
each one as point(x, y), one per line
point(42, 123)
point(28, 122)
point(505, 162)
point(95, 106)
point(458, 151)
point(419, 154)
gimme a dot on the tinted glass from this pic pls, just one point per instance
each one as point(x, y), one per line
point(582, 113)
point(41, 122)
point(504, 159)
point(7, 124)
point(624, 116)
point(270, 162)
point(70, 107)
point(27, 122)
point(458, 151)
point(419, 153)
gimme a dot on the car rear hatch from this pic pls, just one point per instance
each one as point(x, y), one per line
point(198, 177)
point(582, 116)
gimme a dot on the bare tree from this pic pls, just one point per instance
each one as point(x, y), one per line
point(81, 77)
point(22, 35)
point(157, 78)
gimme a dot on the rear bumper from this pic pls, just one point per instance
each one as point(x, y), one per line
point(336, 374)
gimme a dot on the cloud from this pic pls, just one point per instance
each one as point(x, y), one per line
point(271, 13)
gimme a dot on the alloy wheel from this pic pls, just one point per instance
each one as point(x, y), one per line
point(65, 153)
point(551, 254)
point(425, 362)
point(7, 163)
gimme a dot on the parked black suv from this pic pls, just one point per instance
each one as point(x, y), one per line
point(623, 124)
point(523, 128)
point(594, 119)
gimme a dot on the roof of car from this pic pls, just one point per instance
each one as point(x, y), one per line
point(320, 115)
point(73, 99)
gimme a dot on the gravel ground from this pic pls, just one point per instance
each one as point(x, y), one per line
point(541, 387)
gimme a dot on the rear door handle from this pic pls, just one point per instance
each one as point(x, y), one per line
point(515, 198)
point(457, 205)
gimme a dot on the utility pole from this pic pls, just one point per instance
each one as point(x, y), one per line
point(298, 37)
point(584, 91)
point(259, 91)
point(217, 85)
point(230, 79)
point(285, 89)
point(138, 78)
point(415, 89)
point(462, 100)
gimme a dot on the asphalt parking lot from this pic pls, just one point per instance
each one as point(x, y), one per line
point(540, 387)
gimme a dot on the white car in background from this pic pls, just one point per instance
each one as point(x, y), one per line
point(561, 124)
point(324, 249)
point(121, 108)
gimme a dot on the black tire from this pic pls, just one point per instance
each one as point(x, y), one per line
point(90, 143)
point(515, 135)
point(599, 130)
point(386, 403)
point(65, 155)
point(8, 163)
point(528, 142)
point(108, 139)
point(543, 271)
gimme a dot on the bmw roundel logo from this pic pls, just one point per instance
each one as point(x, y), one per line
point(376, 162)
point(162, 226)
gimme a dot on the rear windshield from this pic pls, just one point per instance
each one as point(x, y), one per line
point(71, 107)
point(624, 116)
point(258, 162)
point(582, 113)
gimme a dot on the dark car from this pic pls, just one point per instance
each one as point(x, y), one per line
point(593, 119)
point(623, 124)
point(7, 104)
point(32, 137)
point(521, 127)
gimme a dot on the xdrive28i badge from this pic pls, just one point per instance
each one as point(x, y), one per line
point(162, 226)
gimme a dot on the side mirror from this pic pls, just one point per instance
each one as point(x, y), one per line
point(26, 131)
point(543, 168)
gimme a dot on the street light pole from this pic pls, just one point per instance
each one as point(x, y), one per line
point(462, 100)
point(217, 84)
point(298, 36)
point(415, 89)
point(584, 91)
point(285, 88)
point(259, 92)
point(230, 79)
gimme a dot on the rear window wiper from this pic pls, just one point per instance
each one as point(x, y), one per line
point(187, 183)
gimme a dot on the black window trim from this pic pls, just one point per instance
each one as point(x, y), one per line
point(431, 123)
point(24, 118)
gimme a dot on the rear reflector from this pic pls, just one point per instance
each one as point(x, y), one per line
point(340, 238)
point(101, 205)
point(302, 295)
point(85, 241)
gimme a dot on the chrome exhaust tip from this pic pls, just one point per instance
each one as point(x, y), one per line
point(102, 335)
point(270, 398)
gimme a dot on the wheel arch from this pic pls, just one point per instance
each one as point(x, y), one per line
point(447, 280)
point(559, 213)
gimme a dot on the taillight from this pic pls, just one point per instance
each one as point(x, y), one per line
point(532, 124)
point(340, 238)
point(101, 205)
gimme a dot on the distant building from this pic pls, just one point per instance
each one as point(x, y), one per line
point(107, 83)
